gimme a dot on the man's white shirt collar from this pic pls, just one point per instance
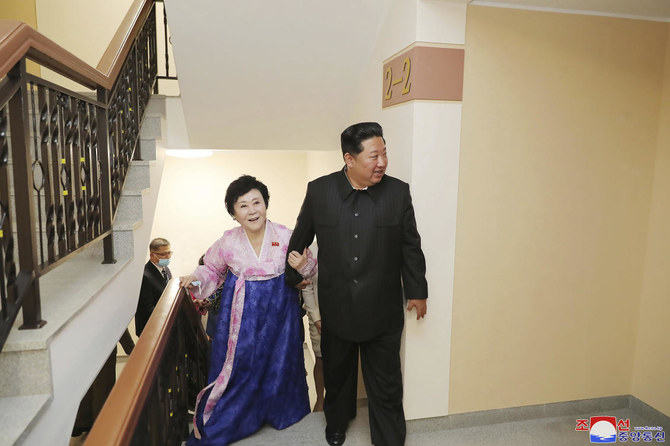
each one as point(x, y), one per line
point(352, 186)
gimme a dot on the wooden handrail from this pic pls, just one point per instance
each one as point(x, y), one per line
point(118, 419)
point(112, 60)
point(85, 145)
point(18, 39)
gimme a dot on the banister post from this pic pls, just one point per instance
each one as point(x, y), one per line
point(105, 175)
point(28, 281)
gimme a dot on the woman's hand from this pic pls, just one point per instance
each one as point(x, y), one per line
point(202, 304)
point(297, 260)
point(185, 281)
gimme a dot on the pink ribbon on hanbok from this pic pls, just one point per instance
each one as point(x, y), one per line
point(237, 308)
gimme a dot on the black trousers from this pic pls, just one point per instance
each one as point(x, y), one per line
point(380, 363)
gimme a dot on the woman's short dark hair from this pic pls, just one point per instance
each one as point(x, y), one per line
point(242, 186)
point(353, 136)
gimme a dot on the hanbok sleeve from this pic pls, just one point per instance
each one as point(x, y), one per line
point(213, 273)
point(311, 300)
point(309, 268)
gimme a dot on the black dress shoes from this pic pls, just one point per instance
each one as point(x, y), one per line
point(335, 437)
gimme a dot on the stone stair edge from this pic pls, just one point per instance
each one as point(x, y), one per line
point(127, 225)
point(135, 192)
point(35, 340)
point(14, 410)
point(19, 413)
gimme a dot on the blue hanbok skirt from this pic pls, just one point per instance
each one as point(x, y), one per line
point(267, 383)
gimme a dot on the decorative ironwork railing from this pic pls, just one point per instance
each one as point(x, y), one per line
point(64, 155)
point(149, 404)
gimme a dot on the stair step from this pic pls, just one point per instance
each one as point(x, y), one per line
point(151, 128)
point(130, 204)
point(33, 360)
point(155, 106)
point(15, 410)
point(137, 177)
point(31, 394)
point(147, 149)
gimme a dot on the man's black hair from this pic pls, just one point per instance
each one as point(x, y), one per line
point(353, 136)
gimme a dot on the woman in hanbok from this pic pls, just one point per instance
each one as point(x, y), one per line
point(257, 371)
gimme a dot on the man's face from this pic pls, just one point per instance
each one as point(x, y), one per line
point(161, 253)
point(368, 167)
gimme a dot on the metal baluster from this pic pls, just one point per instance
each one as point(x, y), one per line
point(105, 154)
point(7, 266)
point(37, 170)
point(29, 291)
point(45, 145)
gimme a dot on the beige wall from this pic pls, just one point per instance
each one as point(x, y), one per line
point(423, 145)
point(23, 11)
point(190, 211)
point(651, 377)
point(83, 27)
point(560, 117)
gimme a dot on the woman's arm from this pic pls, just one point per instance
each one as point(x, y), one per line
point(210, 275)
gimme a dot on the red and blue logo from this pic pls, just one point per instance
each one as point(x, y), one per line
point(606, 429)
point(603, 430)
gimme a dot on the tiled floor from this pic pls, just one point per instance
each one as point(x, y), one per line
point(549, 425)
point(554, 431)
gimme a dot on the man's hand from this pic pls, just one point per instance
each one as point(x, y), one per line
point(302, 285)
point(317, 324)
point(419, 305)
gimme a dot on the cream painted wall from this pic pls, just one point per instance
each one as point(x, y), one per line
point(435, 162)
point(560, 117)
point(397, 32)
point(321, 163)
point(67, 21)
point(83, 27)
point(191, 213)
point(441, 21)
point(423, 140)
point(652, 349)
point(23, 11)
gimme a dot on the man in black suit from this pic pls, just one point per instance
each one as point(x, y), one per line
point(156, 276)
point(369, 252)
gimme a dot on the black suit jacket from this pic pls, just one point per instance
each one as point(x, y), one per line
point(368, 243)
point(151, 290)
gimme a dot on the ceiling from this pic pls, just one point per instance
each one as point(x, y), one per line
point(271, 74)
point(284, 74)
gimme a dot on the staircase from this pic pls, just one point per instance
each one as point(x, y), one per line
point(44, 373)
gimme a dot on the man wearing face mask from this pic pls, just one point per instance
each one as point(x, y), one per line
point(156, 276)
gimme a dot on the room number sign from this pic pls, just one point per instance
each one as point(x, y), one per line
point(423, 72)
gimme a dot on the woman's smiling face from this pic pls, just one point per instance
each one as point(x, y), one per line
point(250, 211)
